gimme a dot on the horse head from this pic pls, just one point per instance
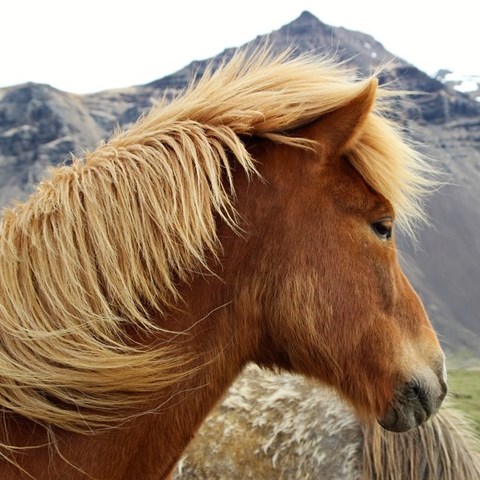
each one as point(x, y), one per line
point(322, 278)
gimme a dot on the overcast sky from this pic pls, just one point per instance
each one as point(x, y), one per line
point(90, 45)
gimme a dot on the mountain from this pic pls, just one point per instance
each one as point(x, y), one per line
point(40, 126)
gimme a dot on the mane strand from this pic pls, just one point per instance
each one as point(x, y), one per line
point(106, 241)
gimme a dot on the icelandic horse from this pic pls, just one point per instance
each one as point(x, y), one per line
point(249, 220)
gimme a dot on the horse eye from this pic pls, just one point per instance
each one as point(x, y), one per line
point(383, 229)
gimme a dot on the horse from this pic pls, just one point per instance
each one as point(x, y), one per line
point(251, 219)
point(274, 426)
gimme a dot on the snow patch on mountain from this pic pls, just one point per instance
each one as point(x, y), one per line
point(464, 83)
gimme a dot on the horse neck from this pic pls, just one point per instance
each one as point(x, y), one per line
point(149, 446)
point(218, 337)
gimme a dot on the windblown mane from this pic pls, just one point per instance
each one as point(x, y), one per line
point(104, 241)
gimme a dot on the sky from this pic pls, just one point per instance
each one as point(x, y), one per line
point(84, 46)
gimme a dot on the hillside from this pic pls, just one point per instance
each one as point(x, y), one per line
point(40, 126)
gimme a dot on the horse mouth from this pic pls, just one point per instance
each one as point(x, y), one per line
point(398, 419)
point(414, 405)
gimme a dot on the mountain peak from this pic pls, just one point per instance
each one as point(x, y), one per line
point(306, 15)
point(306, 18)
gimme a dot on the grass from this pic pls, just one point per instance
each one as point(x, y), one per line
point(464, 393)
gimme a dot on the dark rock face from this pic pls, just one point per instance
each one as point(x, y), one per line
point(437, 104)
point(40, 126)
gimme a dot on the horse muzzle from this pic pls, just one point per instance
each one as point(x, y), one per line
point(415, 402)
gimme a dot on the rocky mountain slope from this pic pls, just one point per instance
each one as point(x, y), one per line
point(40, 126)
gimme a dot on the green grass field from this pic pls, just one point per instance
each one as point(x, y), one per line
point(464, 393)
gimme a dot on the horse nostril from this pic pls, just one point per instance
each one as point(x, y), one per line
point(416, 389)
point(425, 401)
point(415, 392)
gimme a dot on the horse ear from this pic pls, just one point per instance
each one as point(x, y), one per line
point(339, 129)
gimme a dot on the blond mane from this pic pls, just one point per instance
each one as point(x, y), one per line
point(106, 240)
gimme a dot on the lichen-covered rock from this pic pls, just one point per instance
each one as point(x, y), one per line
point(274, 427)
